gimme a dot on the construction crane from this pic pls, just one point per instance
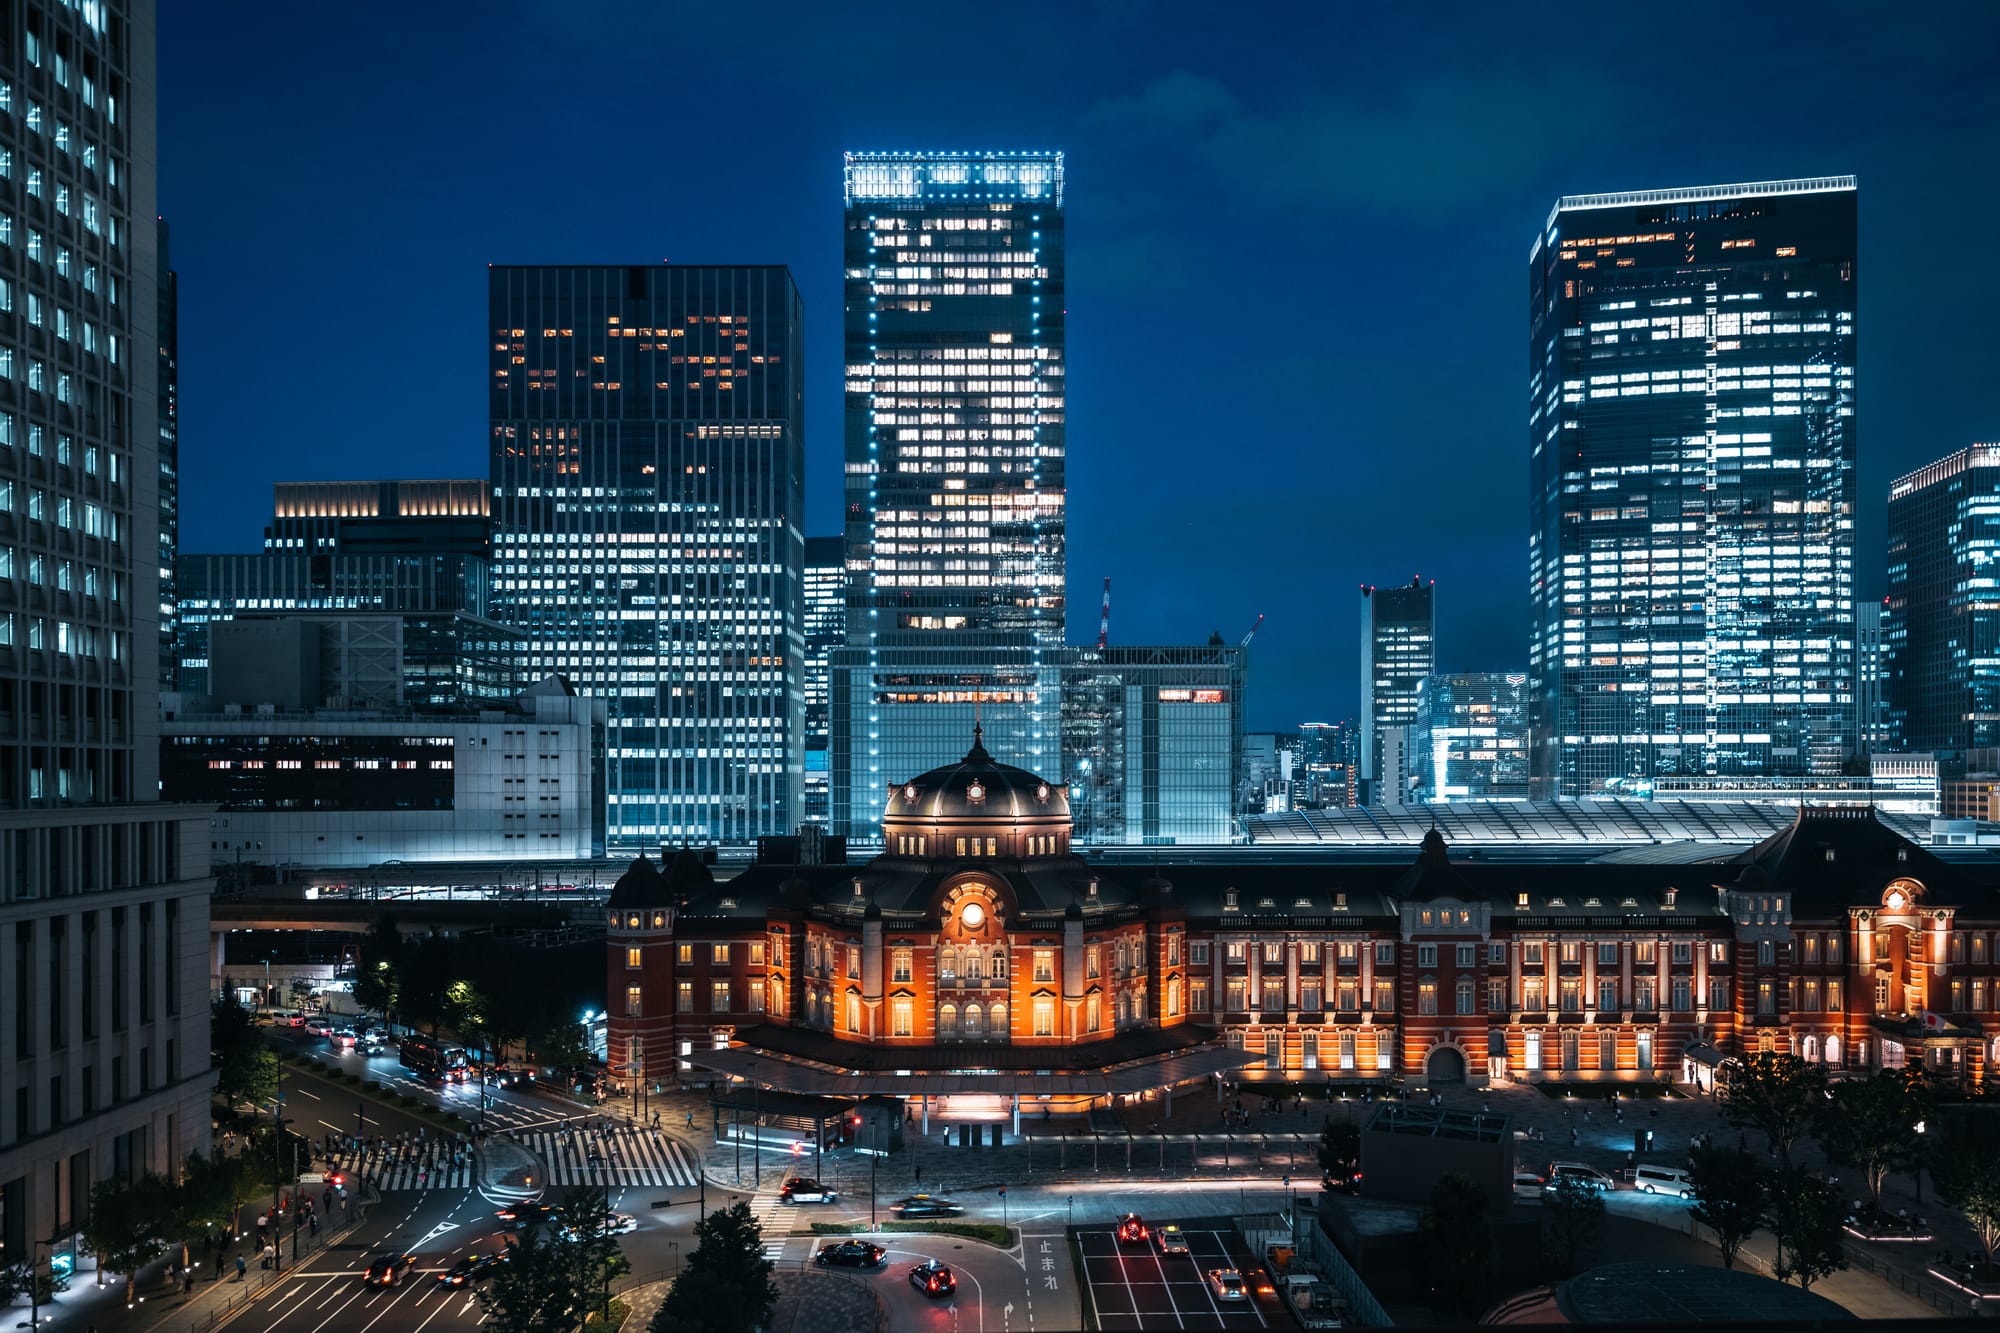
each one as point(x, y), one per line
point(1253, 632)
point(1104, 619)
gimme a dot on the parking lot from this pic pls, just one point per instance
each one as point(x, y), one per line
point(1137, 1287)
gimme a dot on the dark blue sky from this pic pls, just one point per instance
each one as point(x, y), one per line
point(1298, 247)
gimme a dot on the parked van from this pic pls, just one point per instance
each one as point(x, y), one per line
point(1663, 1180)
point(1589, 1175)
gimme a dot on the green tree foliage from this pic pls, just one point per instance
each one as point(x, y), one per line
point(726, 1286)
point(246, 1068)
point(1871, 1123)
point(1574, 1213)
point(1805, 1216)
point(129, 1224)
point(536, 1290)
point(378, 968)
point(1965, 1163)
point(1458, 1244)
point(1730, 1196)
point(1777, 1094)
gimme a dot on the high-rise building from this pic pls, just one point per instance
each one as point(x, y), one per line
point(1470, 739)
point(1871, 712)
point(168, 289)
point(1941, 624)
point(1398, 650)
point(1153, 743)
point(826, 630)
point(955, 461)
point(104, 892)
point(1325, 765)
point(1692, 485)
point(648, 467)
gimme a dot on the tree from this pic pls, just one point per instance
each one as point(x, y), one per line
point(378, 968)
point(1965, 1162)
point(1730, 1196)
point(1805, 1216)
point(246, 1068)
point(128, 1225)
point(1870, 1123)
point(535, 1290)
point(1458, 1243)
point(1575, 1212)
point(203, 1199)
point(726, 1287)
point(1340, 1150)
point(1777, 1094)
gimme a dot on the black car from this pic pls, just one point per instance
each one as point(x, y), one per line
point(386, 1268)
point(521, 1216)
point(802, 1189)
point(926, 1205)
point(472, 1268)
point(933, 1279)
point(851, 1254)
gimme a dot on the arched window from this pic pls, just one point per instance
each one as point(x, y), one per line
point(948, 964)
point(1833, 1050)
point(973, 1017)
point(947, 1018)
point(999, 964)
point(996, 1018)
point(1810, 1050)
point(972, 965)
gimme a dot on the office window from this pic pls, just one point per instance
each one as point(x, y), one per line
point(1309, 952)
point(1642, 995)
point(1718, 952)
point(684, 954)
point(1683, 951)
point(1198, 953)
point(1572, 952)
point(634, 957)
point(1496, 954)
point(1465, 995)
point(1531, 995)
point(1309, 1050)
point(899, 969)
point(1236, 952)
point(854, 1013)
point(1198, 996)
point(1309, 996)
point(1045, 965)
point(1718, 992)
point(1645, 953)
point(684, 997)
point(632, 994)
point(1468, 955)
point(718, 955)
point(1496, 997)
point(1045, 1018)
point(1347, 952)
point(1385, 954)
point(1427, 955)
point(718, 997)
point(1274, 997)
point(1834, 997)
point(757, 997)
point(1347, 995)
point(1607, 954)
point(1238, 995)
point(756, 953)
point(1607, 994)
point(901, 1018)
point(1531, 953)
point(1571, 996)
point(1683, 994)
point(1274, 954)
point(1385, 997)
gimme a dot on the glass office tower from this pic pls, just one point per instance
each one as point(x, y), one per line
point(1941, 624)
point(1471, 737)
point(826, 630)
point(1398, 650)
point(1692, 485)
point(648, 494)
point(1153, 743)
point(954, 426)
point(168, 306)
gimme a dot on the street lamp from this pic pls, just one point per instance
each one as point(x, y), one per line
point(35, 1280)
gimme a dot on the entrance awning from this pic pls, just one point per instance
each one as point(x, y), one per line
point(1914, 1031)
point(1496, 1042)
point(1703, 1053)
point(771, 1071)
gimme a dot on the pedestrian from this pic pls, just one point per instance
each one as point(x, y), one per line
point(187, 1281)
point(242, 1269)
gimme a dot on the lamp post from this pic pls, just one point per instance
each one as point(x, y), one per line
point(278, 1123)
point(756, 1128)
point(35, 1280)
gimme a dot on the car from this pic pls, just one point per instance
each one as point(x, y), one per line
point(288, 1018)
point(804, 1189)
point(342, 1039)
point(370, 1046)
point(1172, 1239)
point(527, 1213)
point(387, 1267)
point(933, 1279)
point(1132, 1230)
point(851, 1254)
point(1227, 1284)
point(1344, 1182)
point(1528, 1185)
point(1260, 1284)
point(613, 1224)
point(925, 1205)
point(1589, 1176)
point(474, 1267)
point(317, 1027)
point(1663, 1180)
point(503, 1075)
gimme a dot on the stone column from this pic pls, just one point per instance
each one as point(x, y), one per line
point(1515, 948)
point(1625, 952)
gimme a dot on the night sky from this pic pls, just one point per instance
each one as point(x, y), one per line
point(1298, 248)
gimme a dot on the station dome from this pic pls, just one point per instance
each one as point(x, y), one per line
point(978, 789)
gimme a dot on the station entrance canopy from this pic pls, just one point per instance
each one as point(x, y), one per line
point(786, 1075)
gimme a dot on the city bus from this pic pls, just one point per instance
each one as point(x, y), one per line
point(434, 1060)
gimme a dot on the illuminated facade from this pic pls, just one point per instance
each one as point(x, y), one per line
point(648, 496)
point(1398, 650)
point(955, 463)
point(1692, 485)
point(168, 292)
point(826, 630)
point(1326, 765)
point(1941, 624)
point(1871, 710)
point(978, 945)
point(1471, 737)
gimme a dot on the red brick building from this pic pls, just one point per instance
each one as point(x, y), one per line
point(980, 958)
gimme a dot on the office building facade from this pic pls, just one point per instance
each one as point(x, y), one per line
point(1398, 651)
point(1692, 485)
point(1153, 744)
point(1471, 737)
point(1941, 622)
point(826, 630)
point(1871, 711)
point(1325, 765)
point(648, 484)
point(955, 362)
point(168, 316)
point(104, 1068)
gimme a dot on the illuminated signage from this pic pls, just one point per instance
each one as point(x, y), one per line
point(1190, 696)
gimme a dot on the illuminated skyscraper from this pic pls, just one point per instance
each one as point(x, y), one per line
point(1470, 739)
point(826, 630)
point(1941, 626)
point(955, 362)
point(1692, 485)
point(1398, 650)
point(648, 488)
point(168, 304)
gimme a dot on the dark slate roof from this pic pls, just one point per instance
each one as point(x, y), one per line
point(642, 885)
point(827, 1049)
point(1433, 876)
point(1866, 855)
point(1003, 791)
point(1649, 1293)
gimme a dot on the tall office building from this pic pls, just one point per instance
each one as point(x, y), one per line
point(168, 309)
point(1871, 711)
point(1470, 739)
point(1398, 650)
point(648, 466)
point(104, 1036)
point(1325, 765)
point(954, 424)
point(1153, 743)
point(826, 630)
point(1692, 485)
point(1941, 624)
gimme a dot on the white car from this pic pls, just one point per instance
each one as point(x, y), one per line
point(341, 1039)
point(318, 1027)
point(1227, 1284)
point(1528, 1185)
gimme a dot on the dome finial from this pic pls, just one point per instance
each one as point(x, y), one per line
point(977, 753)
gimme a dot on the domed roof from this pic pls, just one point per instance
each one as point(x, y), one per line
point(642, 884)
point(977, 787)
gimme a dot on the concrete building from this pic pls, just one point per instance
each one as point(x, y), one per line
point(104, 892)
point(330, 788)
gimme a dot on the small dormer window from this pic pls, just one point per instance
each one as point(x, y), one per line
point(1340, 902)
point(1229, 900)
point(632, 921)
point(659, 920)
point(1829, 853)
point(1902, 853)
point(1521, 900)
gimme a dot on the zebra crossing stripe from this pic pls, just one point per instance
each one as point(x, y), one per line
point(641, 1160)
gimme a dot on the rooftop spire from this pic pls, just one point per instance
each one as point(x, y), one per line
point(977, 754)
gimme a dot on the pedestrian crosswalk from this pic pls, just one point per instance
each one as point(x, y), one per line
point(393, 1166)
point(618, 1158)
point(774, 1218)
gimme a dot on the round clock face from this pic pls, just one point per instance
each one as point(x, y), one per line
point(1896, 900)
point(910, 794)
point(1042, 792)
point(975, 792)
point(973, 916)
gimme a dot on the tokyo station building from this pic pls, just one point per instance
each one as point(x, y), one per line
point(980, 966)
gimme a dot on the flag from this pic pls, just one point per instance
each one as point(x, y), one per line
point(1933, 1022)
